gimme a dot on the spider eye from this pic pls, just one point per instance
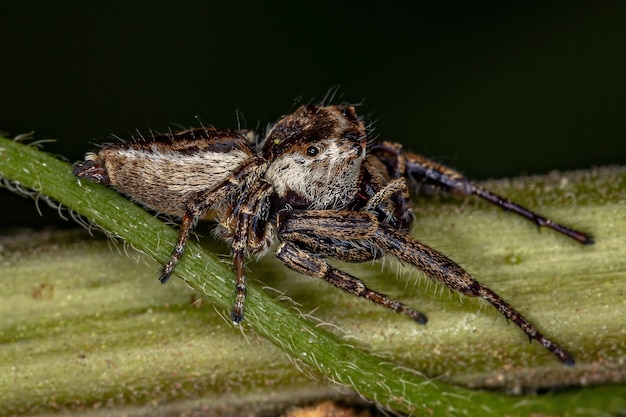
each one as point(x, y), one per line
point(312, 150)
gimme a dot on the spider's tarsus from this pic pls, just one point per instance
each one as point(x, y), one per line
point(563, 356)
point(577, 236)
point(422, 319)
point(539, 220)
point(569, 361)
point(236, 318)
point(580, 237)
point(416, 315)
point(556, 350)
point(164, 278)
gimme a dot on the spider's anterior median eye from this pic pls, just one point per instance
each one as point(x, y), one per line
point(312, 150)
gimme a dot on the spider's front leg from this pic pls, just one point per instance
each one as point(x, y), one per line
point(363, 228)
point(251, 236)
point(302, 248)
point(421, 170)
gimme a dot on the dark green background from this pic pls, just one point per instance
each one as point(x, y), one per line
point(494, 90)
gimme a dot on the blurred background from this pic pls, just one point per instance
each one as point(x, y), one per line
point(498, 90)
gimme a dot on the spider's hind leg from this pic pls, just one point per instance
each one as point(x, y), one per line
point(188, 222)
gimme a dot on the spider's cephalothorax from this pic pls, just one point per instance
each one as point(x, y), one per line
point(317, 184)
point(314, 157)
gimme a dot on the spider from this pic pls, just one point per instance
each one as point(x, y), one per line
point(318, 185)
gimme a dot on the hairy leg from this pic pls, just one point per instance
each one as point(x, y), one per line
point(250, 237)
point(204, 202)
point(304, 262)
point(443, 269)
point(350, 225)
point(420, 169)
point(187, 223)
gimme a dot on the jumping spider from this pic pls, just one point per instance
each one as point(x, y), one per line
point(318, 184)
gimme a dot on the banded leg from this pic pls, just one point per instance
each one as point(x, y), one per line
point(423, 170)
point(346, 250)
point(302, 261)
point(539, 220)
point(187, 223)
point(250, 237)
point(443, 269)
point(240, 285)
point(192, 213)
point(355, 226)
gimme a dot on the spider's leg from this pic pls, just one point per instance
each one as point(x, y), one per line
point(346, 250)
point(363, 226)
point(302, 261)
point(440, 267)
point(539, 220)
point(240, 283)
point(205, 200)
point(188, 222)
point(421, 170)
point(250, 237)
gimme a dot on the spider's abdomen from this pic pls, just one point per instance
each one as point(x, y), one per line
point(166, 173)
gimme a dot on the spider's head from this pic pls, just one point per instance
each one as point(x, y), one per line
point(316, 154)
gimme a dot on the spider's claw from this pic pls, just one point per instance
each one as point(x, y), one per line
point(563, 356)
point(415, 315)
point(165, 276)
point(587, 240)
point(237, 317)
point(422, 319)
point(167, 271)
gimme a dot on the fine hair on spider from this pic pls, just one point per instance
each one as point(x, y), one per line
point(319, 184)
